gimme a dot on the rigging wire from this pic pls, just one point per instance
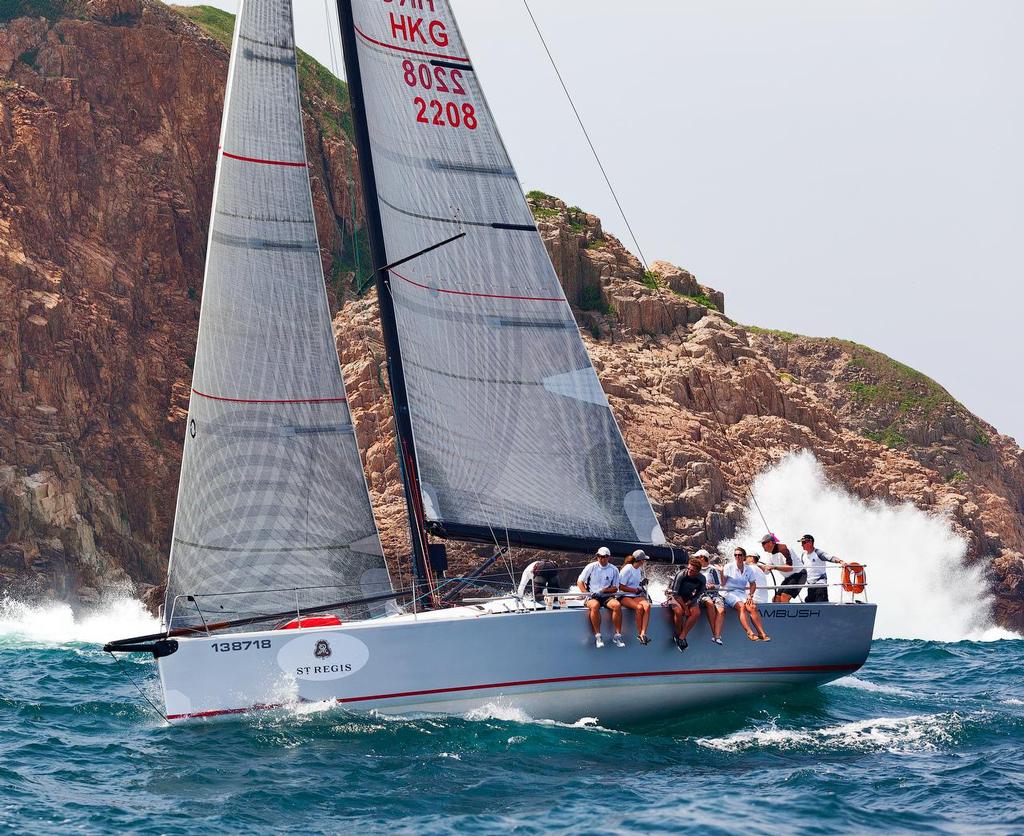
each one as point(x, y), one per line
point(142, 693)
point(586, 134)
point(622, 212)
point(735, 449)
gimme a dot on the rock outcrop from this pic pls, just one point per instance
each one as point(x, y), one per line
point(109, 115)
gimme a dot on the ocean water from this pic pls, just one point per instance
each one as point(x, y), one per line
point(928, 737)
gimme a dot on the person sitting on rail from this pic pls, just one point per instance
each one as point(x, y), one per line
point(780, 559)
point(632, 594)
point(816, 560)
point(686, 589)
point(740, 586)
point(601, 580)
point(763, 595)
point(542, 576)
point(711, 600)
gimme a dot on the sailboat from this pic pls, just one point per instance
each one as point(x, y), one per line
point(278, 591)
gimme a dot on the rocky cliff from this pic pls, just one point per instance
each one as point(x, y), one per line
point(109, 114)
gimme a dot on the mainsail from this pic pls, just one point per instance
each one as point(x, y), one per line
point(512, 434)
point(273, 511)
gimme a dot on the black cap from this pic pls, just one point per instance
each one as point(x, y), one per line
point(806, 538)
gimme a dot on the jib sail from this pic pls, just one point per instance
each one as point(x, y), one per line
point(511, 431)
point(273, 511)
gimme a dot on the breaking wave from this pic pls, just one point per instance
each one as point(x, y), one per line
point(917, 733)
point(915, 561)
point(55, 623)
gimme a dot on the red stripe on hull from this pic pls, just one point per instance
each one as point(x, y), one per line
point(243, 400)
point(557, 680)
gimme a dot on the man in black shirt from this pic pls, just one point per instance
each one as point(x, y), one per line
point(687, 587)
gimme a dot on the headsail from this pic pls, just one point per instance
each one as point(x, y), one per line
point(513, 434)
point(273, 510)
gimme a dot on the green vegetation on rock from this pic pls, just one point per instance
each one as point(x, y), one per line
point(890, 437)
point(650, 280)
point(50, 9)
point(318, 84)
point(894, 383)
point(591, 299)
point(784, 336)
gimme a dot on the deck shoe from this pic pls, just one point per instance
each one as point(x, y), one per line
point(682, 644)
point(717, 640)
point(617, 640)
point(598, 641)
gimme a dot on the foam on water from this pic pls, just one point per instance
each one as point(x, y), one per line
point(924, 732)
point(915, 561)
point(55, 623)
point(863, 685)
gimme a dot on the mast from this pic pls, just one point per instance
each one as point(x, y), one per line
point(382, 277)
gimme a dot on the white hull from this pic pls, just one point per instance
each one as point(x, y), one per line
point(541, 662)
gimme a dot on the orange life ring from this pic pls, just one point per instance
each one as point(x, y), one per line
point(854, 578)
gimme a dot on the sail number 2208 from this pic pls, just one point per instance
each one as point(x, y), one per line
point(451, 114)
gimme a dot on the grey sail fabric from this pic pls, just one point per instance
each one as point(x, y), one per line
point(273, 511)
point(512, 429)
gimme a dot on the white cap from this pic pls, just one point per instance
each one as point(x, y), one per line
point(702, 553)
point(603, 552)
point(640, 554)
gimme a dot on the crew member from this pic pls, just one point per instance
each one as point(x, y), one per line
point(632, 592)
point(740, 586)
point(601, 580)
point(711, 600)
point(543, 575)
point(817, 578)
point(687, 587)
point(780, 559)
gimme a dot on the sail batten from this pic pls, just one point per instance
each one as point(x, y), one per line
point(273, 511)
point(510, 428)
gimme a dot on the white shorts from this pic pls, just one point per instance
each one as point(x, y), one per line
point(732, 598)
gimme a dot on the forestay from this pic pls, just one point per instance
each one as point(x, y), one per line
point(511, 427)
point(272, 497)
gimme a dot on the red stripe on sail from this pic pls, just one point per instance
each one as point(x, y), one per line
point(366, 37)
point(263, 162)
point(552, 681)
point(481, 295)
point(245, 400)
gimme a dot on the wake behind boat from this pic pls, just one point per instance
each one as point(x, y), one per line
point(504, 434)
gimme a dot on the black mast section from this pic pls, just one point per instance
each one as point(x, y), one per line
point(378, 254)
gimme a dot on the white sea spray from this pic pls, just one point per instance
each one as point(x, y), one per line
point(915, 560)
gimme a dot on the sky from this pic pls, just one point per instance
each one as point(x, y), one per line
point(846, 168)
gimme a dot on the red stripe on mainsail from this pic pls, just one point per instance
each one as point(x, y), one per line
point(263, 162)
point(245, 400)
point(521, 683)
point(481, 295)
point(366, 37)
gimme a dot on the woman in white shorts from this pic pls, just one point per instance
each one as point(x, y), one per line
point(740, 586)
point(632, 595)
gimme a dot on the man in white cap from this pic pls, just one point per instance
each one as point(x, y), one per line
point(601, 580)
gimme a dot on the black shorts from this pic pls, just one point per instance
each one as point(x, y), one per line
point(791, 586)
point(817, 595)
point(603, 599)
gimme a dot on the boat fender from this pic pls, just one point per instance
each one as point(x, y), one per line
point(312, 621)
point(854, 578)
